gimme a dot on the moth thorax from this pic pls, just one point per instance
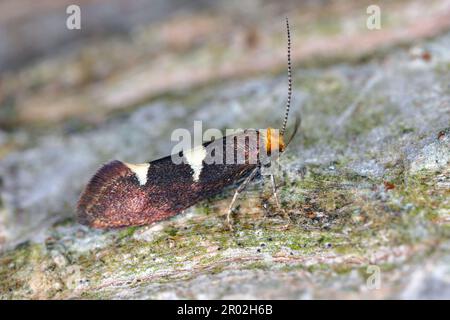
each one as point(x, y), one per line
point(273, 141)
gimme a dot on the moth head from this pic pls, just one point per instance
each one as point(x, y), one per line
point(273, 141)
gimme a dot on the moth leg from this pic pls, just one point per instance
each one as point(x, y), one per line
point(274, 191)
point(236, 194)
point(277, 201)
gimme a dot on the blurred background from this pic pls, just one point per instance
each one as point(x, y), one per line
point(128, 52)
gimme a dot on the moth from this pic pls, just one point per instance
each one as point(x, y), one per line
point(123, 194)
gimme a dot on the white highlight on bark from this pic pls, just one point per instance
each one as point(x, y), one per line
point(140, 170)
point(194, 158)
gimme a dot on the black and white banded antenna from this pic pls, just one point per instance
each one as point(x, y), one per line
point(288, 102)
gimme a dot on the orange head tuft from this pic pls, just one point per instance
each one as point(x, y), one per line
point(274, 141)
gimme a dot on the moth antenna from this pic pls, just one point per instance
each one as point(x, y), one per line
point(288, 102)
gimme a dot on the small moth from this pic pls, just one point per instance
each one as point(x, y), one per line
point(124, 194)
